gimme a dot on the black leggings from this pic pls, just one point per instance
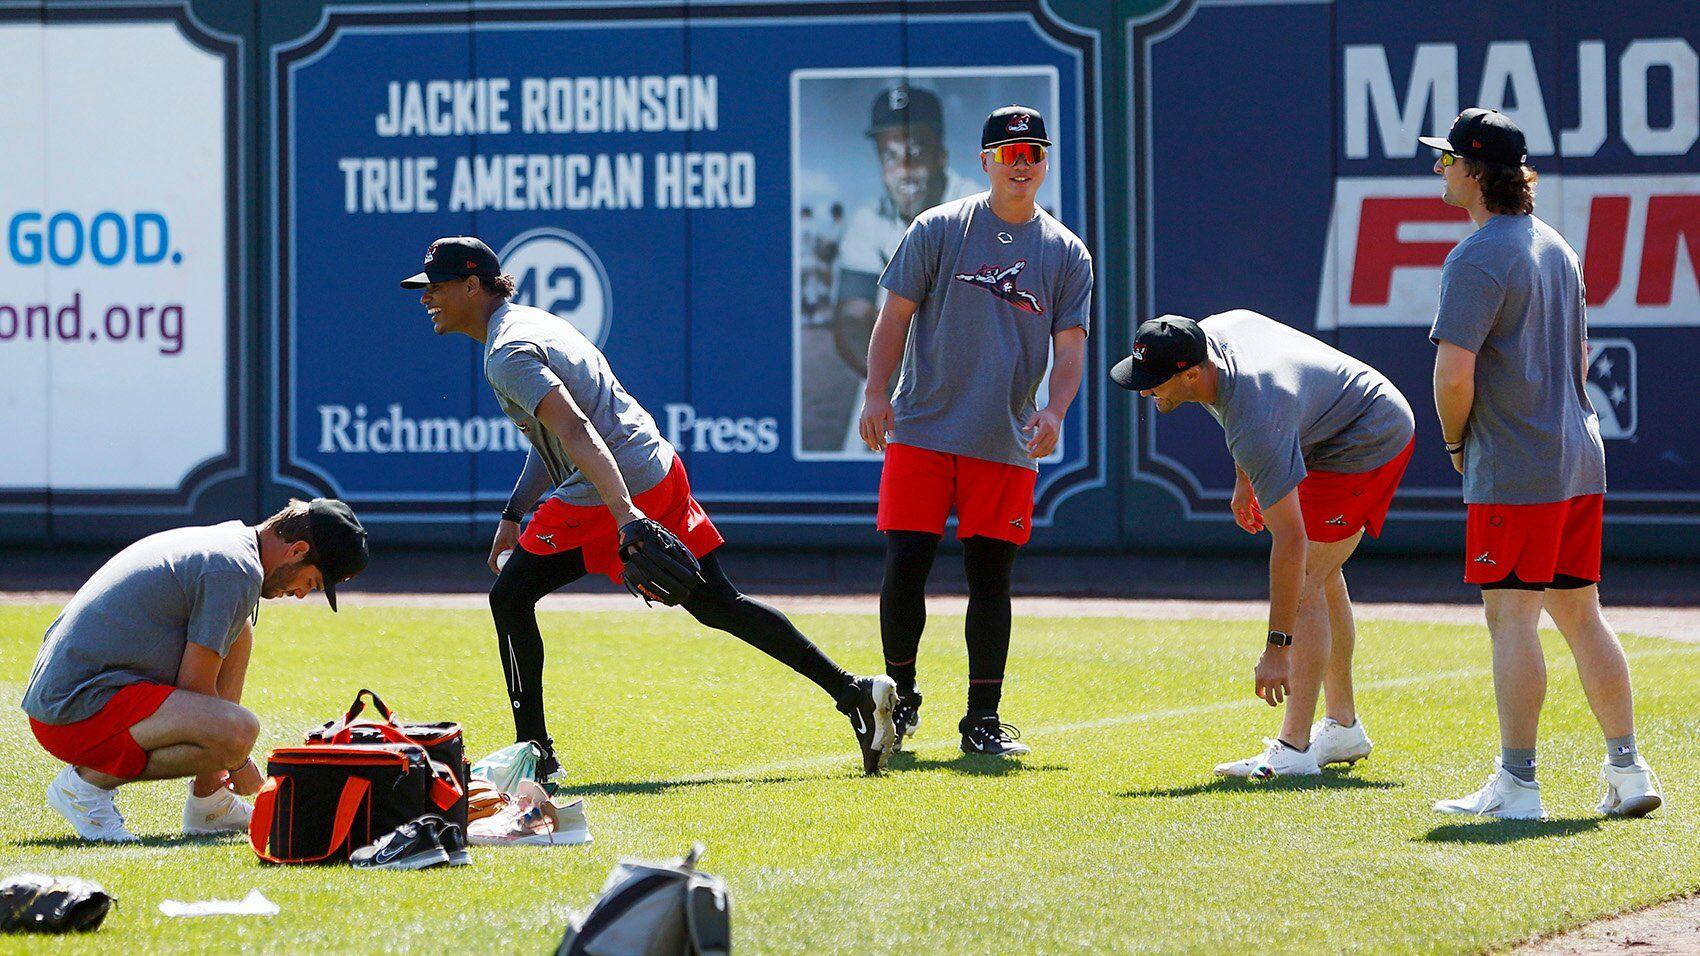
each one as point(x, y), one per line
point(527, 578)
point(988, 563)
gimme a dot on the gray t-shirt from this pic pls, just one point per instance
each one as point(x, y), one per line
point(530, 353)
point(132, 621)
point(1291, 404)
point(991, 295)
point(1512, 293)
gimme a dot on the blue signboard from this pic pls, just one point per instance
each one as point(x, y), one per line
point(1293, 185)
point(706, 200)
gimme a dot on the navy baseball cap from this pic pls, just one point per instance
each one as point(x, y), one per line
point(1483, 134)
point(904, 106)
point(455, 257)
point(1162, 348)
point(1013, 124)
point(339, 542)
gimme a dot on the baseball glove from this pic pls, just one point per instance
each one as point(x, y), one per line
point(32, 903)
point(658, 565)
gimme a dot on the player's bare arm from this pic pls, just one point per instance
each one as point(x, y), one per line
point(1287, 556)
point(885, 350)
point(1454, 394)
point(590, 455)
point(1068, 351)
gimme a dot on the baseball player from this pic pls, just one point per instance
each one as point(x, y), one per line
point(1510, 372)
point(140, 676)
point(979, 294)
point(1319, 441)
point(618, 500)
point(906, 128)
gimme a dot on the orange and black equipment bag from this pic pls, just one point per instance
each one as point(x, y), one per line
point(321, 803)
point(442, 741)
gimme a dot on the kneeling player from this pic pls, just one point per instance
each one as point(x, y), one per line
point(140, 677)
point(610, 470)
point(1319, 441)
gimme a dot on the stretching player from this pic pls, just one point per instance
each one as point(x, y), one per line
point(979, 294)
point(1319, 442)
point(609, 469)
point(140, 676)
point(1509, 376)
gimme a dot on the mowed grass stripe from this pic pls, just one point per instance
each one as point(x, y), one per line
point(1113, 837)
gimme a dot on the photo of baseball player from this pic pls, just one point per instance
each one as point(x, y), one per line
point(995, 277)
point(1320, 441)
point(909, 121)
point(1510, 388)
point(140, 677)
point(612, 490)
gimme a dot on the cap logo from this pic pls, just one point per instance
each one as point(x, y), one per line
point(1182, 364)
point(1475, 144)
point(471, 265)
point(897, 99)
point(1018, 123)
point(431, 251)
point(1139, 353)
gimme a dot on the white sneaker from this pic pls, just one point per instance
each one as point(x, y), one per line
point(1334, 742)
point(1277, 760)
point(1503, 796)
point(91, 810)
point(222, 812)
point(1630, 791)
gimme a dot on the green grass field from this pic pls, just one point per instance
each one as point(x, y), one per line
point(1113, 836)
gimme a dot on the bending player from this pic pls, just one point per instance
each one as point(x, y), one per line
point(140, 676)
point(1509, 377)
point(616, 484)
point(995, 278)
point(1319, 442)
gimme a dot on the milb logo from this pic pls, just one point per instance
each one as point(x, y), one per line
point(1611, 386)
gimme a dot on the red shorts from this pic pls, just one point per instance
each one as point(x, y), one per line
point(1535, 542)
point(559, 527)
point(1337, 505)
point(103, 742)
point(919, 489)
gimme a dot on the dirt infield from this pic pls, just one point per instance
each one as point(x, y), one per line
point(1667, 928)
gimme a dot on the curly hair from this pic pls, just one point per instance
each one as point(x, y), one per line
point(502, 286)
point(1507, 190)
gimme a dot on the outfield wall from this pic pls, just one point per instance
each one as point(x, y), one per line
point(207, 207)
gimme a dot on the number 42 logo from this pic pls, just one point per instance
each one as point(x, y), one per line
point(558, 272)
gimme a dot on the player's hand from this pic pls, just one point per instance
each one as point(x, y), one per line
point(1458, 462)
point(876, 420)
point(1271, 675)
point(1247, 514)
point(1042, 431)
point(507, 539)
point(247, 780)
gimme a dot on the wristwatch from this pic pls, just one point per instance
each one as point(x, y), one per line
point(1280, 639)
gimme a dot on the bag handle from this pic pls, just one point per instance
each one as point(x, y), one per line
point(360, 704)
point(354, 790)
point(445, 788)
point(390, 732)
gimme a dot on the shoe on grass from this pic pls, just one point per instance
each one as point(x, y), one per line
point(1630, 791)
point(1276, 760)
point(1503, 796)
point(90, 810)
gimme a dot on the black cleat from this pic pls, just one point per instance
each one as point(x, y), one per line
point(549, 775)
point(870, 718)
point(453, 839)
point(992, 737)
point(905, 717)
point(412, 846)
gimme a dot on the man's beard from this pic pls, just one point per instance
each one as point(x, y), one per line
point(274, 583)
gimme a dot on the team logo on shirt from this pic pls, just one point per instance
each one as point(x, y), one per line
point(1000, 281)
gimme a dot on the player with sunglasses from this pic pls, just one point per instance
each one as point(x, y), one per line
point(982, 292)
